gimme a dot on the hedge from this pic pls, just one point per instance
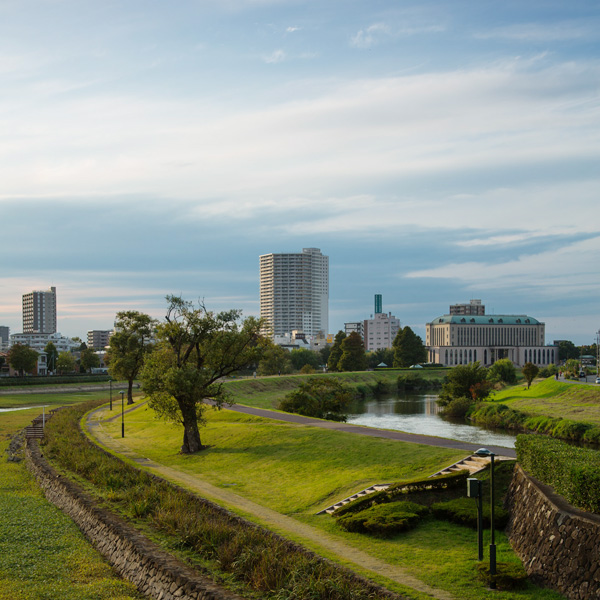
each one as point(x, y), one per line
point(572, 471)
point(384, 519)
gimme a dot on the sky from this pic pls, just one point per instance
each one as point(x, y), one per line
point(435, 151)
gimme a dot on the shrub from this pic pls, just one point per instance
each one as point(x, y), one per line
point(463, 511)
point(324, 398)
point(509, 576)
point(384, 519)
point(457, 407)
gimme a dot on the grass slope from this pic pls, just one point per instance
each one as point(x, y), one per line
point(578, 402)
point(42, 553)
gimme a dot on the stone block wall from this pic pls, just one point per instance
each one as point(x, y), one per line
point(153, 571)
point(558, 544)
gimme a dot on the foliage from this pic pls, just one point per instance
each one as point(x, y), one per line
point(509, 576)
point(385, 519)
point(336, 351)
point(567, 350)
point(571, 367)
point(128, 346)
point(307, 370)
point(530, 372)
point(196, 349)
point(353, 357)
point(383, 355)
point(22, 358)
point(572, 471)
point(457, 407)
point(548, 370)
point(463, 511)
point(275, 360)
point(302, 356)
point(503, 371)
point(465, 381)
point(65, 363)
point(263, 562)
point(408, 348)
point(51, 356)
point(89, 360)
point(320, 397)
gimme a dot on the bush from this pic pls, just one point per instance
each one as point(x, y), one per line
point(320, 397)
point(385, 519)
point(573, 472)
point(498, 415)
point(463, 511)
point(549, 370)
point(457, 407)
point(509, 576)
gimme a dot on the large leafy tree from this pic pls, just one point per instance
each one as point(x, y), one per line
point(51, 356)
point(303, 356)
point(89, 360)
point(336, 351)
point(195, 350)
point(275, 360)
point(65, 363)
point(383, 355)
point(465, 381)
point(567, 349)
point(129, 345)
point(22, 358)
point(530, 372)
point(408, 348)
point(504, 371)
point(353, 356)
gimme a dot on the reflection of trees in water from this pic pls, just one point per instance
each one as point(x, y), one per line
point(421, 404)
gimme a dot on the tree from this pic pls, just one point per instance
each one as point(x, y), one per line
point(22, 358)
point(336, 351)
point(52, 355)
point(275, 359)
point(503, 370)
point(465, 381)
point(302, 356)
point(383, 355)
point(195, 350)
point(530, 372)
point(321, 397)
point(65, 363)
point(408, 348)
point(89, 360)
point(567, 350)
point(353, 356)
point(128, 346)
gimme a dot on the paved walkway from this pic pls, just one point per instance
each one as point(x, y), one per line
point(282, 524)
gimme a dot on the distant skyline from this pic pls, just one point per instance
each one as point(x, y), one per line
point(436, 152)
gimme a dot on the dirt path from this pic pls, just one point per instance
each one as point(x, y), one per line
point(278, 522)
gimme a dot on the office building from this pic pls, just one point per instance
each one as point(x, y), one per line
point(4, 336)
point(39, 311)
point(98, 339)
point(462, 339)
point(294, 292)
point(379, 331)
point(473, 308)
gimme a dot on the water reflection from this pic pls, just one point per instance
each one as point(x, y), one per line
point(420, 414)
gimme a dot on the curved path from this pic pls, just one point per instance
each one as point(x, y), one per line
point(278, 522)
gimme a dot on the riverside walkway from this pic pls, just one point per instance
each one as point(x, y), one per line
point(312, 537)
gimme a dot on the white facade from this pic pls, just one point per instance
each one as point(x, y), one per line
point(38, 341)
point(380, 331)
point(460, 340)
point(294, 292)
point(39, 311)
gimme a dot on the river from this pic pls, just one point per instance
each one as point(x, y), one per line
point(419, 413)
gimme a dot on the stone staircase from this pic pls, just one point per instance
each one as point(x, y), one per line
point(36, 429)
point(472, 463)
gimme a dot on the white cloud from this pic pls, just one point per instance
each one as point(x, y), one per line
point(365, 38)
point(276, 56)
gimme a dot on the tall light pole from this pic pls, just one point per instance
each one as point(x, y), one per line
point(484, 452)
point(122, 414)
point(110, 386)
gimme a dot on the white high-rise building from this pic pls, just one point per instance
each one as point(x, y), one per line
point(294, 292)
point(39, 312)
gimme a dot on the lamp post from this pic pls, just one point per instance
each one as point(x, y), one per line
point(110, 386)
point(122, 414)
point(474, 490)
point(484, 452)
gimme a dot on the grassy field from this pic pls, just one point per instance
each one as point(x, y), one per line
point(54, 399)
point(578, 402)
point(43, 556)
point(266, 392)
point(298, 470)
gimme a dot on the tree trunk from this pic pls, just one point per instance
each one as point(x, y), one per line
point(130, 392)
point(191, 433)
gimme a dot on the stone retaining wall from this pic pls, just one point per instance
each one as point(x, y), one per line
point(557, 543)
point(154, 572)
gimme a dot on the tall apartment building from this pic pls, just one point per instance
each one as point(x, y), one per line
point(39, 311)
point(473, 308)
point(97, 339)
point(294, 292)
point(4, 336)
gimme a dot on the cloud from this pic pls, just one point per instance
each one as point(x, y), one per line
point(292, 29)
point(276, 56)
point(366, 38)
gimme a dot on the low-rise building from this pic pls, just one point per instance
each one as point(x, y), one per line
point(38, 341)
point(98, 339)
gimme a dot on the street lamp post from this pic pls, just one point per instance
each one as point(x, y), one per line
point(474, 491)
point(122, 414)
point(484, 452)
point(110, 386)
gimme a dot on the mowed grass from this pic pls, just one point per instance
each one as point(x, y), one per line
point(43, 556)
point(56, 399)
point(578, 402)
point(289, 468)
point(266, 392)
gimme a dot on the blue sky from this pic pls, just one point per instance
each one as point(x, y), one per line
point(436, 151)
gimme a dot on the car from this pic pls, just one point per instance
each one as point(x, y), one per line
point(581, 373)
point(597, 379)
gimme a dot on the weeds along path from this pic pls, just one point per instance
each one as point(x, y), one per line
point(281, 524)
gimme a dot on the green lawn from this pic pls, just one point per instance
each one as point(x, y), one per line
point(54, 399)
point(578, 402)
point(43, 556)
